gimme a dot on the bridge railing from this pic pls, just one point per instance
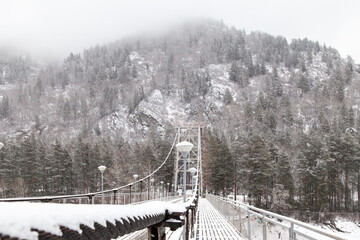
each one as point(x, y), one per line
point(256, 223)
point(28, 220)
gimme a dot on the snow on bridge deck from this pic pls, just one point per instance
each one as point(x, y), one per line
point(212, 225)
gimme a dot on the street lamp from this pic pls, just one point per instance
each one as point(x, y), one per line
point(135, 176)
point(162, 186)
point(102, 169)
point(167, 190)
point(192, 171)
point(152, 183)
point(184, 147)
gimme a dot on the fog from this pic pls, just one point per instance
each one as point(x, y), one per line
point(50, 30)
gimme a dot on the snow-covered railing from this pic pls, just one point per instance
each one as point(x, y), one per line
point(28, 220)
point(21, 220)
point(253, 220)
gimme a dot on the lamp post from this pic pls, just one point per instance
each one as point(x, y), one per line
point(162, 186)
point(135, 177)
point(167, 190)
point(102, 169)
point(184, 147)
point(195, 178)
point(192, 171)
point(152, 183)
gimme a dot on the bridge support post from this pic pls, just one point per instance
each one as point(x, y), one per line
point(291, 232)
point(130, 195)
point(187, 227)
point(156, 233)
point(148, 189)
point(249, 225)
point(140, 190)
point(264, 227)
point(114, 199)
point(192, 221)
point(240, 219)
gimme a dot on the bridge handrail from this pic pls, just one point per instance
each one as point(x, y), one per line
point(112, 220)
point(261, 213)
point(46, 218)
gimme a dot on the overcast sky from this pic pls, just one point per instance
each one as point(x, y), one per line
point(49, 28)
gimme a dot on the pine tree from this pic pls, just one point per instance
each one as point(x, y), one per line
point(303, 83)
point(222, 172)
point(228, 97)
point(234, 74)
point(260, 171)
point(82, 162)
point(58, 168)
point(286, 176)
point(29, 165)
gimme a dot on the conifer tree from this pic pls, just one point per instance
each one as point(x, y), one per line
point(222, 171)
point(259, 170)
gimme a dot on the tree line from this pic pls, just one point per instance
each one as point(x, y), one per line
point(30, 167)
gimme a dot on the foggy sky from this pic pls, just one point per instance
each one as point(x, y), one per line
point(50, 29)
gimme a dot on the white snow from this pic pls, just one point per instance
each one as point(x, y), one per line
point(16, 219)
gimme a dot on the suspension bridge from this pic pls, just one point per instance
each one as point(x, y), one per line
point(154, 212)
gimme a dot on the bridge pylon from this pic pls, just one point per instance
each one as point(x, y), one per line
point(193, 134)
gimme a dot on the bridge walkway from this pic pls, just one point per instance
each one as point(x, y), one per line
point(212, 225)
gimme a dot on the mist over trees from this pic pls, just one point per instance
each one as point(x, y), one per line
point(282, 117)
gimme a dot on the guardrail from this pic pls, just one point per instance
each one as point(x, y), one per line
point(251, 221)
point(23, 220)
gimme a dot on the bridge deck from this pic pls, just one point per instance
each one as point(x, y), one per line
point(212, 225)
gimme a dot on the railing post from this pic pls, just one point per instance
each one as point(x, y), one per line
point(249, 224)
point(140, 190)
point(193, 216)
point(114, 199)
point(264, 227)
point(240, 218)
point(187, 225)
point(148, 189)
point(130, 195)
point(156, 233)
point(291, 232)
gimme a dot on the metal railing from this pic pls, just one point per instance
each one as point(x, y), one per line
point(122, 220)
point(256, 223)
